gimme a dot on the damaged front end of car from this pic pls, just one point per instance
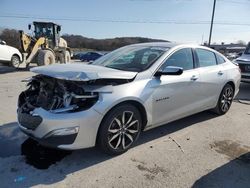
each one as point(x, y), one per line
point(59, 104)
point(53, 95)
point(59, 96)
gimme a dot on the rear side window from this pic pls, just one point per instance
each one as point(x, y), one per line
point(206, 58)
point(182, 58)
point(220, 59)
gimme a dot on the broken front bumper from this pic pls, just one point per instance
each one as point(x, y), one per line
point(62, 130)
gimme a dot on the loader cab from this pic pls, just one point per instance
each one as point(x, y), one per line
point(49, 30)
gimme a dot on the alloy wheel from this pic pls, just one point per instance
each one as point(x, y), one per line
point(123, 131)
point(226, 99)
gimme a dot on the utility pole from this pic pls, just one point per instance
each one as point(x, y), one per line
point(212, 23)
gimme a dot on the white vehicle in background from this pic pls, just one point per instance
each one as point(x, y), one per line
point(244, 63)
point(9, 54)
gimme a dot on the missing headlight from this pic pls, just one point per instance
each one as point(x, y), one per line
point(55, 95)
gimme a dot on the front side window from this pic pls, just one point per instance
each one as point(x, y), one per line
point(182, 58)
point(206, 58)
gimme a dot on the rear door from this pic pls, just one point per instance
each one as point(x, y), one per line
point(212, 76)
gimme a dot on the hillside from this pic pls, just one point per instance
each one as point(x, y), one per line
point(11, 36)
point(78, 41)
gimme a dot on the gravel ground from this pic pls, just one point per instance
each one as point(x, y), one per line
point(203, 150)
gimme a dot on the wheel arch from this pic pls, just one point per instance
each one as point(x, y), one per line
point(15, 54)
point(231, 83)
point(134, 103)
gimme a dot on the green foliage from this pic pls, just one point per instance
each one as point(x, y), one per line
point(11, 37)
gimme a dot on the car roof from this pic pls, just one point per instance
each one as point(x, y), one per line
point(171, 45)
point(157, 44)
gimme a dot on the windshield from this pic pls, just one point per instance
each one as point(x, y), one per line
point(131, 58)
point(247, 51)
point(42, 30)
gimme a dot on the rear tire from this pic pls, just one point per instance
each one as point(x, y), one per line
point(225, 100)
point(119, 129)
point(15, 61)
point(45, 57)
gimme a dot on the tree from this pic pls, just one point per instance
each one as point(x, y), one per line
point(242, 42)
point(11, 37)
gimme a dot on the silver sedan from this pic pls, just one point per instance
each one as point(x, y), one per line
point(134, 88)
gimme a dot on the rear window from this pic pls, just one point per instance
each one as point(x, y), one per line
point(206, 58)
point(220, 59)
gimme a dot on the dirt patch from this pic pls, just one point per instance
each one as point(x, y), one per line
point(232, 149)
point(149, 176)
point(138, 161)
point(152, 171)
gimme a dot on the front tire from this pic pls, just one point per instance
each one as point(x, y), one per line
point(119, 129)
point(15, 61)
point(45, 57)
point(225, 100)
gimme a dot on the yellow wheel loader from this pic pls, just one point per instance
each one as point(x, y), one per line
point(45, 47)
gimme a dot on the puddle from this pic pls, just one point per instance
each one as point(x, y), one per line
point(13, 143)
point(11, 139)
point(245, 158)
point(233, 150)
point(41, 157)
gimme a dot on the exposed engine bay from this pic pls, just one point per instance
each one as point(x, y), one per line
point(55, 95)
point(59, 95)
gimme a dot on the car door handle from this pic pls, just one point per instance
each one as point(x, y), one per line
point(220, 73)
point(193, 78)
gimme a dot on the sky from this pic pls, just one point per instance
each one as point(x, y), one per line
point(174, 20)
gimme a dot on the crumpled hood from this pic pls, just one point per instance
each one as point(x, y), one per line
point(244, 57)
point(82, 72)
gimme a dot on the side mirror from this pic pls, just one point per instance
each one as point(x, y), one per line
point(239, 54)
point(29, 26)
point(3, 42)
point(169, 70)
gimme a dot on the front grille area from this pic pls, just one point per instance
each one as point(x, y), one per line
point(28, 121)
point(245, 68)
point(245, 77)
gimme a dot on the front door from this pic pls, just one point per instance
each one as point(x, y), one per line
point(176, 96)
